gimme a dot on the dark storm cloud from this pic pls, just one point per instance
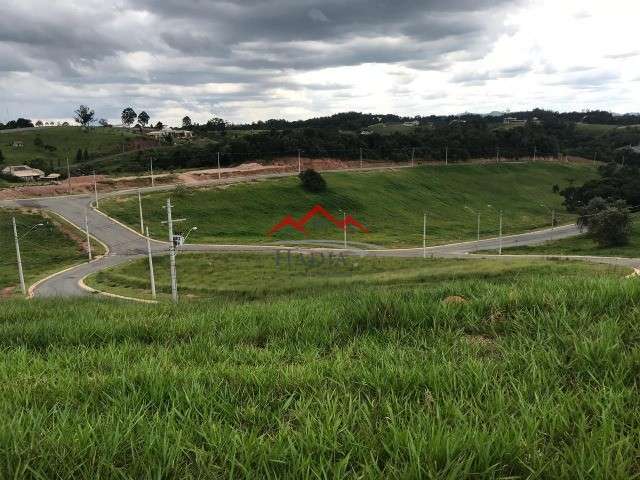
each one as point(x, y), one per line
point(106, 47)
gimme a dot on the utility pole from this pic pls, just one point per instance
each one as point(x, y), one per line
point(151, 276)
point(172, 254)
point(424, 237)
point(20, 274)
point(219, 172)
point(95, 188)
point(68, 175)
point(140, 208)
point(360, 157)
point(500, 237)
point(299, 162)
point(344, 228)
point(413, 154)
point(86, 229)
point(153, 183)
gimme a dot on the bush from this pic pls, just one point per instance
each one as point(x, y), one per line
point(609, 223)
point(312, 181)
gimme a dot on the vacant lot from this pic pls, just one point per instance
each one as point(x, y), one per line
point(536, 378)
point(45, 249)
point(66, 141)
point(260, 276)
point(390, 204)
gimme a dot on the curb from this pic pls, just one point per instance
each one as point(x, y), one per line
point(89, 289)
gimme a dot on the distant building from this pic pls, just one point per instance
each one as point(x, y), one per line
point(630, 149)
point(536, 121)
point(158, 134)
point(17, 144)
point(514, 121)
point(457, 121)
point(23, 172)
point(366, 132)
point(414, 123)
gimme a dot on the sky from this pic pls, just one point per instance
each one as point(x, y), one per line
point(251, 60)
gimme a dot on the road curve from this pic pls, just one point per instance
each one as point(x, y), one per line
point(125, 244)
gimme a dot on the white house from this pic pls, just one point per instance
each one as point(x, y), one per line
point(158, 134)
point(414, 123)
point(23, 172)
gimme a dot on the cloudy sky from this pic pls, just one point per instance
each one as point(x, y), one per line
point(248, 60)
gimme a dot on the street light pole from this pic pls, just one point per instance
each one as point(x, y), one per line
point(151, 275)
point(172, 254)
point(141, 218)
point(424, 236)
point(68, 176)
point(18, 257)
point(500, 237)
point(344, 228)
point(95, 188)
point(153, 183)
point(86, 229)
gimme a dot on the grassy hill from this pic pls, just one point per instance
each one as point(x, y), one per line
point(66, 140)
point(389, 203)
point(45, 249)
point(536, 377)
point(263, 276)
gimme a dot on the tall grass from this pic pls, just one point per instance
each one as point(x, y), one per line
point(390, 204)
point(535, 379)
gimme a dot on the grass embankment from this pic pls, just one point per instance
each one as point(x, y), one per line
point(584, 245)
point(389, 203)
point(261, 276)
point(45, 249)
point(533, 379)
point(66, 140)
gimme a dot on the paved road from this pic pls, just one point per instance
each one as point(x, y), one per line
point(125, 245)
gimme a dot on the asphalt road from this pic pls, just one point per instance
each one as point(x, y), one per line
point(125, 245)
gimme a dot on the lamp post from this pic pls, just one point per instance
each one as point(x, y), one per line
point(478, 225)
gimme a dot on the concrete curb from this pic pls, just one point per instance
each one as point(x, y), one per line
point(92, 290)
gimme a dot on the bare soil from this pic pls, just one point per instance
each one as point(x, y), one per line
point(84, 184)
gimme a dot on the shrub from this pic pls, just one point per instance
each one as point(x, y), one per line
point(312, 181)
point(608, 222)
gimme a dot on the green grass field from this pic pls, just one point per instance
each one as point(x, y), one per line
point(583, 245)
point(67, 140)
point(45, 249)
point(262, 276)
point(389, 203)
point(532, 378)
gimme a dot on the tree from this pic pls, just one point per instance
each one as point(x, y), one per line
point(312, 181)
point(103, 122)
point(128, 116)
point(85, 155)
point(79, 156)
point(609, 223)
point(143, 118)
point(1, 157)
point(159, 125)
point(84, 115)
point(216, 124)
point(186, 122)
point(39, 123)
